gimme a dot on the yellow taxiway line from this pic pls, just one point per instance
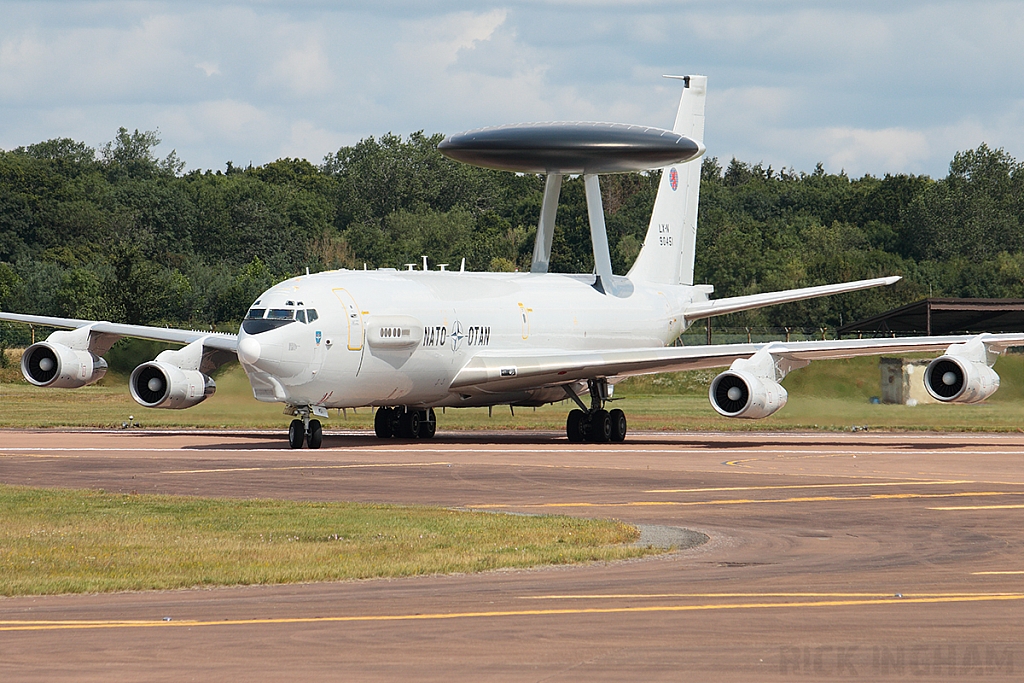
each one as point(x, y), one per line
point(308, 467)
point(981, 507)
point(861, 602)
point(813, 486)
point(652, 596)
point(755, 501)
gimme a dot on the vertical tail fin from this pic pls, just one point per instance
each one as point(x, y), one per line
point(670, 246)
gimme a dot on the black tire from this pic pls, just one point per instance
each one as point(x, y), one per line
point(600, 427)
point(428, 423)
point(315, 437)
point(618, 425)
point(296, 434)
point(384, 423)
point(574, 426)
point(409, 424)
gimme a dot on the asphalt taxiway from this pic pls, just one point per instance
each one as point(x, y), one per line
point(874, 556)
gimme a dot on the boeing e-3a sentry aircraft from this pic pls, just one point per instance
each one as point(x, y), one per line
point(410, 341)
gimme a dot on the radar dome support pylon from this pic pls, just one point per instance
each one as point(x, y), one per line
point(546, 225)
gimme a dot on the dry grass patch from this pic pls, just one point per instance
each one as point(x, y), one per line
point(69, 541)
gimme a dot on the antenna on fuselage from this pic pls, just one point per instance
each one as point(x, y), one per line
point(462, 268)
point(424, 263)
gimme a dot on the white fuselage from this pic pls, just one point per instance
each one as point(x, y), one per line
point(388, 337)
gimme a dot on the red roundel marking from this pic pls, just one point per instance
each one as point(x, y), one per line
point(673, 179)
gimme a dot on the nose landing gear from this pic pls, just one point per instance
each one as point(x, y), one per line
point(304, 430)
point(595, 424)
point(405, 423)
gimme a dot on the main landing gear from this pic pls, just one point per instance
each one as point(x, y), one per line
point(595, 424)
point(405, 423)
point(303, 429)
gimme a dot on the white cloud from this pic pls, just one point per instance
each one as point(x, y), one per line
point(304, 71)
point(859, 150)
point(229, 119)
point(871, 87)
point(436, 43)
point(208, 68)
point(308, 141)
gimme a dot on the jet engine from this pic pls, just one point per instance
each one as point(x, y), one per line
point(953, 379)
point(158, 384)
point(49, 364)
point(739, 393)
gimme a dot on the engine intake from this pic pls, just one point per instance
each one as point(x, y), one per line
point(158, 384)
point(952, 379)
point(49, 364)
point(738, 393)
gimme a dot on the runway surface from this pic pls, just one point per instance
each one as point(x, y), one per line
point(846, 556)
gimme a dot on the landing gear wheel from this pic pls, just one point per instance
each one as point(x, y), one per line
point(618, 419)
point(384, 423)
point(574, 426)
point(600, 427)
point(428, 423)
point(315, 437)
point(296, 434)
point(409, 424)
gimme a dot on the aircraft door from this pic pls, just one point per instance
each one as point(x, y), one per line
point(353, 317)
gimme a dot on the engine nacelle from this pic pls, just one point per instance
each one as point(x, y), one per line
point(739, 393)
point(158, 384)
point(953, 379)
point(49, 364)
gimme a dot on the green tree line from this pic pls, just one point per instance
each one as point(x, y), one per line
point(121, 234)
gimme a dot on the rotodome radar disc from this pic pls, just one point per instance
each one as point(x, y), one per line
point(570, 148)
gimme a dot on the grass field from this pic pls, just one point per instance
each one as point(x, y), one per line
point(824, 395)
point(62, 541)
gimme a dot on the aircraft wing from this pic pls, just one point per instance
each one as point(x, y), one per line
point(220, 341)
point(508, 372)
point(734, 304)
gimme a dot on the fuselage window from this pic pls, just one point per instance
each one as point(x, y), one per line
point(255, 313)
point(311, 314)
point(301, 316)
point(280, 314)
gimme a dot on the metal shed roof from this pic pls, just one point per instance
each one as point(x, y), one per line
point(945, 316)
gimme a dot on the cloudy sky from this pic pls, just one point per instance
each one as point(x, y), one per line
point(866, 86)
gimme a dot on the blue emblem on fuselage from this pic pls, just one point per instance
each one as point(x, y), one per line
point(318, 336)
point(456, 335)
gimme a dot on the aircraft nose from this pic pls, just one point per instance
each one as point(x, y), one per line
point(249, 350)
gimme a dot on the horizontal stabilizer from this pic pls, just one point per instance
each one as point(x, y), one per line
point(735, 304)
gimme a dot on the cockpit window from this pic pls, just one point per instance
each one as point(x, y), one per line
point(280, 314)
point(255, 313)
point(300, 315)
point(311, 315)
